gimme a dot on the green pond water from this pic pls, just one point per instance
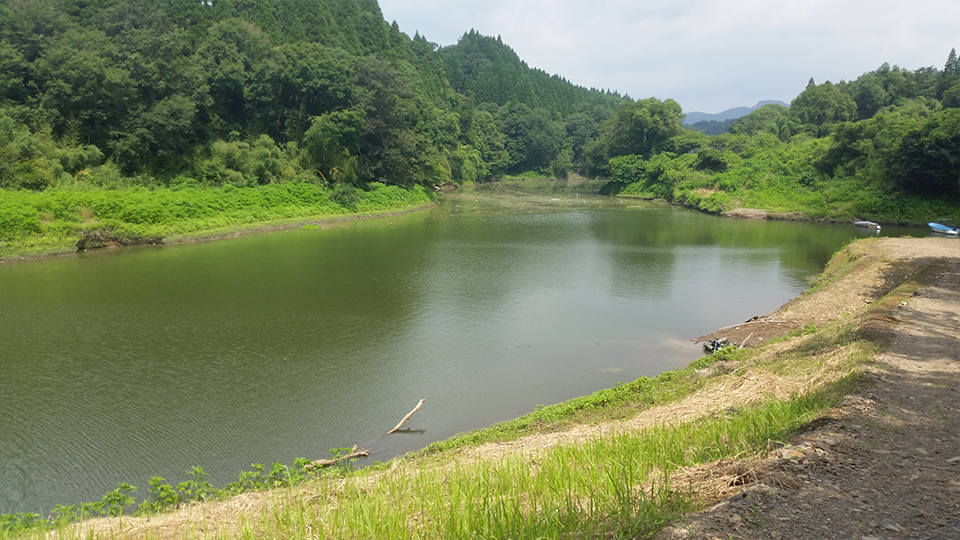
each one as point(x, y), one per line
point(117, 365)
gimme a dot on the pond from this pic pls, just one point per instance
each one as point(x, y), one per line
point(118, 365)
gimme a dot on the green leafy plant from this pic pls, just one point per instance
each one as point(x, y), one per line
point(164, 497)
point(197, 487)
point(116, 502)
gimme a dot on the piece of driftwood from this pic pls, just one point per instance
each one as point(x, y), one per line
point(744, 342)
point(407, 417)
point(748, 323)
point(354, 453)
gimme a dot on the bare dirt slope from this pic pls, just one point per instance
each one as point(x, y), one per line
point(887, 464)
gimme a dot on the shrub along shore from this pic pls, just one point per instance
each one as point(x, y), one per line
point(40, 223)
point(743, 189)
point(606, 465)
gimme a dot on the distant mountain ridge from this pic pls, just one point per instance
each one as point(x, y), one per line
point(729, 114)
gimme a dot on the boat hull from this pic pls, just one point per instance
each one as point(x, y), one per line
point(943, 229)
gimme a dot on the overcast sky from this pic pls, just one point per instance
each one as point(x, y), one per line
point(709, 55)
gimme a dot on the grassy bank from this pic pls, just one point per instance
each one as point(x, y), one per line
point(601, 466)
point(37, 223)
point(843, 204)
point(779, 178)
point(617, 486)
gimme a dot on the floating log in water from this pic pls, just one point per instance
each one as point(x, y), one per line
point(407, 417)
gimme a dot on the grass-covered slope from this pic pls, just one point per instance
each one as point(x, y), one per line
point(36, 223)
point(778, 178)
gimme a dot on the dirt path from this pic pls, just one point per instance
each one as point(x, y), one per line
point(887, 464)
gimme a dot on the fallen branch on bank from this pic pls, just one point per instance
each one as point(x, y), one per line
point(748, 323)
point(354, 453)
point(407, 417)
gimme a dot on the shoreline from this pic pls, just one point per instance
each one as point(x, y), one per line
point(232, 231)
point(871, 466)
point(763, 214)
point(280, 225)
point(862, 293)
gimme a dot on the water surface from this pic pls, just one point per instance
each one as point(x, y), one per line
point(117, 365)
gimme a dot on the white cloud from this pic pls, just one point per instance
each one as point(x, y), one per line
point(709, 55)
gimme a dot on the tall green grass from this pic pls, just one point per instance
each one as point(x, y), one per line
point(612, 487)
point(164, 497)
point(56, 219)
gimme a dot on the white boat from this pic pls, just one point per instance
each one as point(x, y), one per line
point(867, 224)
point(943, 229)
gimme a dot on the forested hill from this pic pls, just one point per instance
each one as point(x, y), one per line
point(546, 120)
point(245, 93)
point(885, 146)
point(249, 92)
point(491, 72)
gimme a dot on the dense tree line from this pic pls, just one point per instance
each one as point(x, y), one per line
point(546, 120)
point(712, 127)
point(114, 93)
point(250, 92)
point(885, 146)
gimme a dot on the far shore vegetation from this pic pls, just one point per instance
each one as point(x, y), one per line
point(36, 223)
point(128, 122)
